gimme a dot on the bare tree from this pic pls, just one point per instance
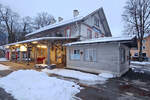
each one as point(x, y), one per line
point(137, 19)
point(43, 19)
point(26, 26)
point(9, 19)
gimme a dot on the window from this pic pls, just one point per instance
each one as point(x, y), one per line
point(68, 32)
point(122, 55)
point(143, 41)
point(75, 54)
point(89, 34)
point(144, 54)
point(96, 35)
point(143, 47)
point(90, 55)
point(135, 54)
point(96, 21)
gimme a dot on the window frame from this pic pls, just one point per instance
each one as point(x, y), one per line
point(74, 56)
point(88, 54)
point(66, 34)
point(96, 22)
point(96, 35)
point(89, 33)
point(122, 55)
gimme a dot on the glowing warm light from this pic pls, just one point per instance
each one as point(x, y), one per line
point(34, 42)
point(23, 48)
point(7, 47)
point(17, 45)
point(41, 46)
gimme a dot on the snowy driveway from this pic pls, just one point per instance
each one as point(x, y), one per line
point(27, 86)
point(34, 85)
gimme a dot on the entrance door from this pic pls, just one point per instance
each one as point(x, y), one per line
point(60, 55)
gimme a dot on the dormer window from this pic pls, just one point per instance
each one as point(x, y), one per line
point(96, 21)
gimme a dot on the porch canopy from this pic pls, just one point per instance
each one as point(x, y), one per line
point(42, 39)
point(48, 41)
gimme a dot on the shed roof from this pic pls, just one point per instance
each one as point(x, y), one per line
point(123, 39)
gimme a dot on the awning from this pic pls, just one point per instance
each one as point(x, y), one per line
point(41, 39)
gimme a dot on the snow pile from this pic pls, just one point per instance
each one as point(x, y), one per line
point(33, 85)
point(3, 59)
point(106, 75)
point(140, 63)
point(3, 67)
point(75, 74)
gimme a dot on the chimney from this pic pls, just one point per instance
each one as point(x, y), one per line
point(60, 19)
point(75, 13)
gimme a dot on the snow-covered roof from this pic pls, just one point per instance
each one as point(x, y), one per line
point(57, 24)
point(40, 39)
point(103, 40)
point(2, 48)
point(65, 22)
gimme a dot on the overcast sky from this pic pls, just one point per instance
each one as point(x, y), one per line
point(112, 8)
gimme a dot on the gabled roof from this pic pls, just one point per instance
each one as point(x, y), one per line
point(103, 40)
point(65, 22)
point(57, 24)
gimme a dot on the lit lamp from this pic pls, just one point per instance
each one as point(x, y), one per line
point(23, 48)
point(7, 47)
point(17, 45)
point(34, 42)
point(41, 46)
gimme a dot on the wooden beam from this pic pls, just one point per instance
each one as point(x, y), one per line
point(35, 55)
point(48, 53)
point(20, 56)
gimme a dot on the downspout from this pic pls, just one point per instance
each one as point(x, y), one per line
point(27, 54)
point(119, 59)
point(78, 29)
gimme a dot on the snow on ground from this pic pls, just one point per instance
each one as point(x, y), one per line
point(76, 74)
point(33, 85)
point(3, 67)
point(106, 75)
point(140, 63)
point(3, 59)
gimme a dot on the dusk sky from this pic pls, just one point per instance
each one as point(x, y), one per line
point(112, 8)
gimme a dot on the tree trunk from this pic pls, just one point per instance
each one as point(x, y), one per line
point(140, 52)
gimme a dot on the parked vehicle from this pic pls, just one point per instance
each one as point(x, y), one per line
point(136, 57)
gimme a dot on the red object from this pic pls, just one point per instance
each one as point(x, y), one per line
point(66, 31)
point(16, 55)
point(40, 60)
point(7, 55)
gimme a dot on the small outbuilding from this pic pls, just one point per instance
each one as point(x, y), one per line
point(108, 54)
